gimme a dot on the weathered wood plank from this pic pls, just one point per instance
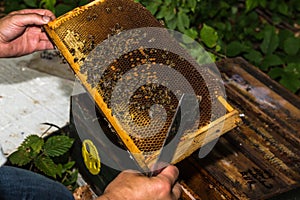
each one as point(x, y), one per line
point(259, 159)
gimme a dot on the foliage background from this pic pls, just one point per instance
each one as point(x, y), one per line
point(49, 156)
point(59, 7)
point(264, 32)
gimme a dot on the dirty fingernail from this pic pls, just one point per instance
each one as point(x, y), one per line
point(46, 18)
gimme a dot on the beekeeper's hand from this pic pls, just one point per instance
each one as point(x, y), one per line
point(131, 185)
point(21, 34)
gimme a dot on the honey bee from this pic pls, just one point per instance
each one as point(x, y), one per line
point(120, 8)
point(72, 51)
point(108, 10)
point(88, 18)
point(95, 16)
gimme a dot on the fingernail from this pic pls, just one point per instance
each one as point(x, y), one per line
point(46, 19)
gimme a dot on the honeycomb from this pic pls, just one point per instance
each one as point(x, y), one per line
point(137, 122)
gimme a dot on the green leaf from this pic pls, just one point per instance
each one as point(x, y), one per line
point(254, 56)
point(46, 165)
point(31, 3)
point(154, 6)
point(293, 68)
point(172, 24)
point(167, 2)
point(13, 5)
point(27, 151)
point(235, 48)
point(213, 58)
point(276, 19)
point(209, 36)
point(271, 60)
point(289, 76)
point(20, 158)
point(263, 3)
point(270, 42)
point(190, 35)
point(48, 4)
point(291, 45)
point(169, 15)
point(283, 36)
point(272, 5)
point(61, 9)
point(234, 10)
point(283, 8)
point(163, 11)
point(70, 178)
point(183, 21)
point(192, 4)
point(82, 2)
point(42, 3)
point(291, 59)
point(68, 166)
point(70, 2)
point(57, 145)
point(59, 170)
point(297, 5)
point(30, 140)
point(291, 83)
point(218, 48)
point(276, 72)
point(38, 145)
point(34, 142)
point(251, 4)
point(200, 55)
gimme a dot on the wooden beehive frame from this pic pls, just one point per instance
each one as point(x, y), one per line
point(198, 139)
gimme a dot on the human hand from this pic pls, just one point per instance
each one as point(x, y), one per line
point(21, 34)
point(135, 186)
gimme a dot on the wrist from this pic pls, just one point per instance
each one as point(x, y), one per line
point(6, 50)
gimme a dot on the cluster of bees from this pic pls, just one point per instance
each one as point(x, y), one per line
point(104, 67)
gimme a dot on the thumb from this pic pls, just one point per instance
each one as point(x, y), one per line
point(171, 173)
point(30, 19)
point(14, 25)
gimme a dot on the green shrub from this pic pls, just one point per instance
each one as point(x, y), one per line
point(264, 32)
point(47, 156)
point(58, 7)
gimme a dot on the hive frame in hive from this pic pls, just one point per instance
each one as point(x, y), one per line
point(197, 139)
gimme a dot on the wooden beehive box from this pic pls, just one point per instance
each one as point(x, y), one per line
point(260, 159)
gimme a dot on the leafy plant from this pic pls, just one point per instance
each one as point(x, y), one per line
point(178, 15)
point(266, 33)
point(58, 7)
point(46, 156)
point(288, 76)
